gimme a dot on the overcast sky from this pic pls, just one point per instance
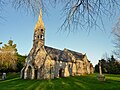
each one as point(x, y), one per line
point(19, 27)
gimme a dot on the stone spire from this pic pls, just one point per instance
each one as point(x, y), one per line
point(39, 31)
point(39, 24)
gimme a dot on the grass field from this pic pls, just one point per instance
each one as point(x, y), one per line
point(88, 82)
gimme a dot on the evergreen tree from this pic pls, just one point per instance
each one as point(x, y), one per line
point(20, 62)
point(111, 66)
point(8, 57)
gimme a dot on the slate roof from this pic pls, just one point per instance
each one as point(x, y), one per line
point(76, 54)
point(54, 53)
point(63, 55)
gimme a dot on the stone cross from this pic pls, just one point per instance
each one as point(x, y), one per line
point(100, 77)
point(100, 70)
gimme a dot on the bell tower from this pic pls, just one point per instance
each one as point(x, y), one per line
point(37, 54)
point(39, 32)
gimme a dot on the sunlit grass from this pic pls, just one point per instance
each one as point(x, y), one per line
point(88, 82)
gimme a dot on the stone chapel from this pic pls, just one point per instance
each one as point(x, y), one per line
point(44, 62)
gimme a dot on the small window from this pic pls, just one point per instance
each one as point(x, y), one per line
point(38, 36)
point(42, 37)
point(41, 30)
point(35, 36)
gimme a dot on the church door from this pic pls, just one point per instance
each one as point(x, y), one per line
point(36, 74)
point(29, 72)
point(61, 72)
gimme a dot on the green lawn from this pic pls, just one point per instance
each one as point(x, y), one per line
point(88, 82)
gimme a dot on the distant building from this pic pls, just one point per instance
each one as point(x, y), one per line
point(45, 62)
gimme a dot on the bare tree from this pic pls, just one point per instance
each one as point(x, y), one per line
point(105, 56)
point(87, 13)
point(76, 12)
point(2, 3)
point(116, 32)
point(82, 13)
point(30, 6)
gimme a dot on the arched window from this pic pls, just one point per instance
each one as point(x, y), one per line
point(38, 36)
point(42, 37)
point(29, 72)
point(61, 72)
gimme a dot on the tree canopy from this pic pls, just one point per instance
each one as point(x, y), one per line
point(8, 56)
point(116, 33)
point(109, 65)
point(10, 60)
